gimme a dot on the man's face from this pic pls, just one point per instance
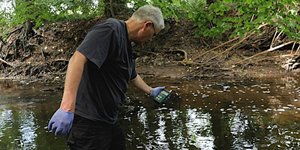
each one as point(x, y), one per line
point(146, 33)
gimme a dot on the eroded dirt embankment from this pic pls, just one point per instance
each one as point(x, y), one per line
point(44, 53)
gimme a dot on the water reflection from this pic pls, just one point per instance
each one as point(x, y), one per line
point(160, 134)
point(199, 129)
point(142, 117)
point(24, 112)
point(5, 121)
point(238, 126)
point(245, 114)
point(27, 130)
point(193, 129)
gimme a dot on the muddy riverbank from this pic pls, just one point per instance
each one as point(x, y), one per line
point(176, 53)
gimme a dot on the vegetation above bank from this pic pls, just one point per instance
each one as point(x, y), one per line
point(38, 37)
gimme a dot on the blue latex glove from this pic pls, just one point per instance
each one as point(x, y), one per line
point(155, 91)
point(61, 122)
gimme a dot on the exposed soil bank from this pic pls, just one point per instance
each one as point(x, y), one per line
point(175, 53)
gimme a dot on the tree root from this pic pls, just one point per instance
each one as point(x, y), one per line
point(264, 52)
point(7, 63)
point(230, 48)
point(215, 48)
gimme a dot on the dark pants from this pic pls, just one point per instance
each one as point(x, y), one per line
point(90, 135)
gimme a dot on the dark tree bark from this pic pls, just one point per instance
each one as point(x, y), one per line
point(28, 28)
point(109, 10)
point(114, 7)
point(208, 2)
point(29, 24)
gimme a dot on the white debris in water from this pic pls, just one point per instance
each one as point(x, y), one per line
point(205, 95)
point(229, 109)
point(268, 109)
point(280, 110)
point(266, 92)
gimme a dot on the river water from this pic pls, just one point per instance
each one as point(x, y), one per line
point(204, 114)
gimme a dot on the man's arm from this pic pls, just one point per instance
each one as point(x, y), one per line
point(141, 84)
point(73, 77)
point(61, 121)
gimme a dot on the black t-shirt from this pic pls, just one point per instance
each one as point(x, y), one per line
point(106, 74)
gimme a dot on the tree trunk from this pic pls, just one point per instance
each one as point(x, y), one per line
point(28, 24)
point(114, 7)
point(28, 28)
point(109, 9)
point(208, 2)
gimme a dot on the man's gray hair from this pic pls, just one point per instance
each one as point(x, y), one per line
point(151, 13)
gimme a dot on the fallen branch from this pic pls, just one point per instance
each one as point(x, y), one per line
point(235, 45)
point(1, 40)
point(230, 48)
point(60, 60)
point(293, 47)
point(3, 61)
point(14, 31)
point(287, 55)
point(41, 49)
point(223, 44)
point(297, 49)
point(275, 37)
point(269, 50)
point(259, 60)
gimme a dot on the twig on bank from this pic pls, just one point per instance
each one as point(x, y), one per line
point(8, 35)
point(297, 49)
point(41, 49)
point(60, 59)
point(275, 38)
point(6, 62)
point(223, 44)
point(269, 50)
point(230, 48)
point(259, 60)
point(1, 40)
point(293, 47)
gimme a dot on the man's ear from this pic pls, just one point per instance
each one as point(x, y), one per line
point(147, 24)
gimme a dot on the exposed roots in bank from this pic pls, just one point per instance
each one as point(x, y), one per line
point(251, 50)
point(41, 53)
point(45, 52)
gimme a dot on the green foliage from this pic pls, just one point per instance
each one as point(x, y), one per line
point(4, 23)
point(31, 11)
point(233, 17)
point(174, 9)
point(237, 17)
point(41, 11)
point(223, 18)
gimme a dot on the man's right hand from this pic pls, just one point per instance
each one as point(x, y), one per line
point(61, 122)
point(155, 91)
